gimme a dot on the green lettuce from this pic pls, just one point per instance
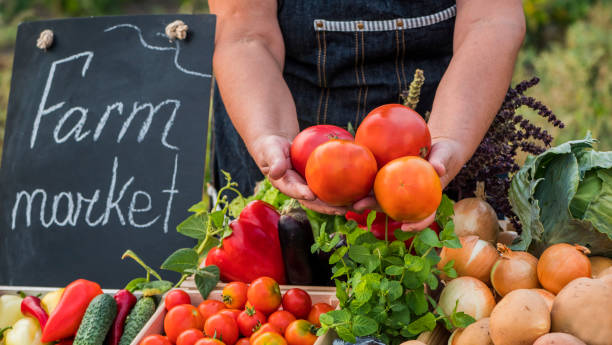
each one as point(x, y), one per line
point(564, 195)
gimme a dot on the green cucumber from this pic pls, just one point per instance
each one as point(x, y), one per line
point(97, 320)
point(138, 317)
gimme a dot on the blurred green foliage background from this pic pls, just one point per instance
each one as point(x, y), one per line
point(568, 45)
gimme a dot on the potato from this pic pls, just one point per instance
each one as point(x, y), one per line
point(519, 318)
point(558, 339)
point(476, 334)
point(599, 264)
point(583, 308)
point(413, 342)
point(454, 338)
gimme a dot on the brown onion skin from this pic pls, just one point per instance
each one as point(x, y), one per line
point(476, 334)
point(413, 342)
point(475, 298)
point(558, 339)
point(514, 270)
point(561, 263)
point(599, 264)
point(548, 296)
point(507, 237)
point(519, 318)
point(479, 267)
point(474, 216)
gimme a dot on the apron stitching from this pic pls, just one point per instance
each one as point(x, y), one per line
point(399, 79)
point(325, 77)
point(365, 97)
point(403, 58)
point(319, 76)
point(357, 77)
point(319, 107)
point(325, 111)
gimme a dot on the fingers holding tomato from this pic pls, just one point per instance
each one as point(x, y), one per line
point(307, 140)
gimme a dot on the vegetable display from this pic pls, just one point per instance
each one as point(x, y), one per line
point(474, 216)
point(125, 302)
point(560, 264)
point(514, 270)
point(475, 258)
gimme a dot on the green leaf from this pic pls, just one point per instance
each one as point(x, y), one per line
point(448, 236)
point(156, 287)
point(430, 238)
point(370, 219)
point(461, 319)
point(394, 270)
point(401, 317)
point(201, 207)
point(130, 254)
point(359, 253)
point(135, 284)
point(340, 316)
point(372, 263)
point(326, 319)
point(340, 272)
point(338, 255)
point(403, 235)
point(445, 211)
point(345, 334)
point(206, 279)
point(426, 322)
point(413, 263)
point(194, 226)
point(341, 292)
point(217, 217)
point(432, 281)
point(417, 301)
point(395, 290)
point(363, 326)
point(181, 260)
point(236, 206)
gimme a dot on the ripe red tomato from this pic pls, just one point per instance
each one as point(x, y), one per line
point(243, 341)
point(223, 327)
point(267, 328)
point(249, 321)
point(392, 131)
point(231, 312)
point(209, 341)
point(316, 311)
point(180, 318)
point(264, 295)
point(209, 308)
point(155, 339)
point(269, 338)
point(301, 332)
point(189, 336)
point(340, 172)
point(297, 302)
point(176, 297)
point(307, 140)
point(235, 295)
point(408, 189)
point(281, 319)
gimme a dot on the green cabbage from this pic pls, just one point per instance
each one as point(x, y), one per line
point(565, 195)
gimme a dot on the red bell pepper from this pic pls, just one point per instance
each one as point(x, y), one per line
point(253, 249)
point(125, 302)
point(378, 226)
point(64, 321)
point(30, 306)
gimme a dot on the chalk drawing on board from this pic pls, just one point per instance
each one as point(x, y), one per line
point(152, 47)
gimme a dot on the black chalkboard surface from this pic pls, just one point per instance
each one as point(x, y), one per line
point(104, 147)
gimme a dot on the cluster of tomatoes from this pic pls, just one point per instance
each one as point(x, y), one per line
point(248, 314)
point(387, 155)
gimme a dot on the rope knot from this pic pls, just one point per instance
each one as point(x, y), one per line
point(176, 30)
point(45, 40)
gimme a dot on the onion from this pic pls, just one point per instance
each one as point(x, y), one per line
point(475, 258)
point(476, 334)
point(514, 270)
point(454, 338)
point(561, 263)
point(413, 342)
point(558, 339)
point(507, 237)
point(519, 318)
point(549, 297)
point(584, 309)
point(475, 298)
point(474, 216)
point(599, 264)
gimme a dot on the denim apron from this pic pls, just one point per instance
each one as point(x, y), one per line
point(343, 59)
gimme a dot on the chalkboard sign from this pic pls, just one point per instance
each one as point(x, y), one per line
point(104, 147)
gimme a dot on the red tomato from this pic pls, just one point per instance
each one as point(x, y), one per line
point(392, 131)
point(270, 338)
point(340, 172)
point(307, 140)
point(281, 319)
point(231, 312)
point(209, 341)
point(408, 189)
point(209, 308)
point(243, 341)
point(223, 327)
point(264, 294)
point(301, 332)
point(155, 339)
point(249, 321)
point(267, 328)
point(235, 295)
point(180, 318)
point(189, 336)
point(176, 297)
point(316, 311)
point(297, 302)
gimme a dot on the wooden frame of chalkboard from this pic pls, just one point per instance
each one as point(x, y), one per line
point(104, 147)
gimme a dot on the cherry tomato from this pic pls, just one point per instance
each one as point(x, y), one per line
point(408, 189)
point(243, 341)
point(223, 327)
point(180, 318)
point(340, 172)
point(281, 319)
point(209, 341)
point(189, 336)
point(209, 308)
point(316, 311)
point(392, 131)
point(264, 294)
point(270, 338)
point(235, 295)
point(301, 332)
point(250, 320)
point(307, 140)
point(231, 312)
point(297, 302)
point(176, 297)
point(155, 339)
point(267, 328)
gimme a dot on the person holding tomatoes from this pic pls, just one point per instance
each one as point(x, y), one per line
point(284, 65)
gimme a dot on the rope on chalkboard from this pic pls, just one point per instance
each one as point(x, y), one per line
point(176, 30)
point(45, 40)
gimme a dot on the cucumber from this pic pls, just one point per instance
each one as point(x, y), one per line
point(97, 321)
point(140, 314)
